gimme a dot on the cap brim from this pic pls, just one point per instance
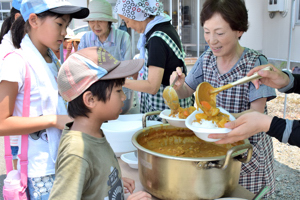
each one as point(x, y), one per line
point(125, 69)
point(75, 11)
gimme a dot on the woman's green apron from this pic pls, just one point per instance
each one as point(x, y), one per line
point(156, 102)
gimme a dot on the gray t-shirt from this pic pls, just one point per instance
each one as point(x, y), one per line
point(86, 168)
point(195, 77)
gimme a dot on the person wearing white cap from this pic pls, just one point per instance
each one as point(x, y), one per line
point(103, 34)
point(67, 45)
point(5, 34)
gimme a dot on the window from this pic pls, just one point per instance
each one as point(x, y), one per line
point(297, 9)
point(5, 7)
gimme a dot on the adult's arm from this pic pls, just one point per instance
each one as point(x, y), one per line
point(186, 86)
point(180, 86)
point(286, 131)
point(294, 83)
point(151, 85)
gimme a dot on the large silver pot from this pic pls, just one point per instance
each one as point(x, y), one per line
point(171, 177)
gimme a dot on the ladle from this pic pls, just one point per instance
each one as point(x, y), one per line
point(206, 92)
point(170, 96)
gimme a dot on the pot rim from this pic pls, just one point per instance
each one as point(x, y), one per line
point(216, 158)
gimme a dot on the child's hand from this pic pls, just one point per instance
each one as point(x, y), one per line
point(59, 121)
point(141, 195)
point(129, 185)
point(75, 44)
point(69, 47)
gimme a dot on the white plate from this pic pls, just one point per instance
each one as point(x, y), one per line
point(172, 120)
point(230, 198)
point(130, 159)
point(203, 133)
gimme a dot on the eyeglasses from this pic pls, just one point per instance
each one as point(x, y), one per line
point(39, 134)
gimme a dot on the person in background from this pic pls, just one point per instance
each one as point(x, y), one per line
point(159, 45)
point(247, 125)
point(86, 162)
point(226, 61)
point(6, 45)
point(103, 34)
point(67, 45)
point(44, 23)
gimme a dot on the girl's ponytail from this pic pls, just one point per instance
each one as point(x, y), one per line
point(8, 22)
point(18, 31)
point(5, 27)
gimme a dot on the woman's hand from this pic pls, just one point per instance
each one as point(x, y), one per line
point(181, 77)
point(275, 79)
point(141, 195)
point(244, 127)
point(129, 185)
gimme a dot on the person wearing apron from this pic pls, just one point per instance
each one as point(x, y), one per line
point(115, 41)
point(226, 61)
point(159, 45)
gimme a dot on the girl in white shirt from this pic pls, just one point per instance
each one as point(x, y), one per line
point(45, 23)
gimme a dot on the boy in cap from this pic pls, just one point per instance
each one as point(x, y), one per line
point(91, 81)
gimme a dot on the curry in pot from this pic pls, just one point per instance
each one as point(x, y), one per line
point(182, 142)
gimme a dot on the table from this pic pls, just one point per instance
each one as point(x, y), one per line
point(129, 172)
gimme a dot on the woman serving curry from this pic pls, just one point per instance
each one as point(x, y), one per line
point(224, 22)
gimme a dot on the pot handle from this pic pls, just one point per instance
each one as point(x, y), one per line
point(149, 114)
point(249, 148)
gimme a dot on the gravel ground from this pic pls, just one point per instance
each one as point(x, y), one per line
point(287, 157)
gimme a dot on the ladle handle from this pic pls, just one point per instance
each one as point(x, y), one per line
point(174, 81)
point(242, 80)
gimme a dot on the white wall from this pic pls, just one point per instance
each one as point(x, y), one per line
point(253, 38)
point(276, 36)
point(271, 36)
point(78, 22)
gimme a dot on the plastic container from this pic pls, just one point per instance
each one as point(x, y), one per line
point(12, 180)
point(119, 134)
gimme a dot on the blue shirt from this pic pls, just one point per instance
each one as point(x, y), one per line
point(117, 43)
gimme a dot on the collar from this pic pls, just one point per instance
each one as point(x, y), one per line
point(110, 38)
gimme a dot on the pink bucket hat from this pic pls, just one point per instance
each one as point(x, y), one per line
point(87, 66)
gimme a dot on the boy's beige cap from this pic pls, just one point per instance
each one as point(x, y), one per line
point(86, 66)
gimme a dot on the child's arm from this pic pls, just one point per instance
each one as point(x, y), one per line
point(141, 195)
point(128, 184)
point(13, 125)
point(71, 176)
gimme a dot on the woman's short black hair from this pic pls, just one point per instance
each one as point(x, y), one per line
point(101, 89)
point(6, 25)
point(20, 27)
point(234, 12)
